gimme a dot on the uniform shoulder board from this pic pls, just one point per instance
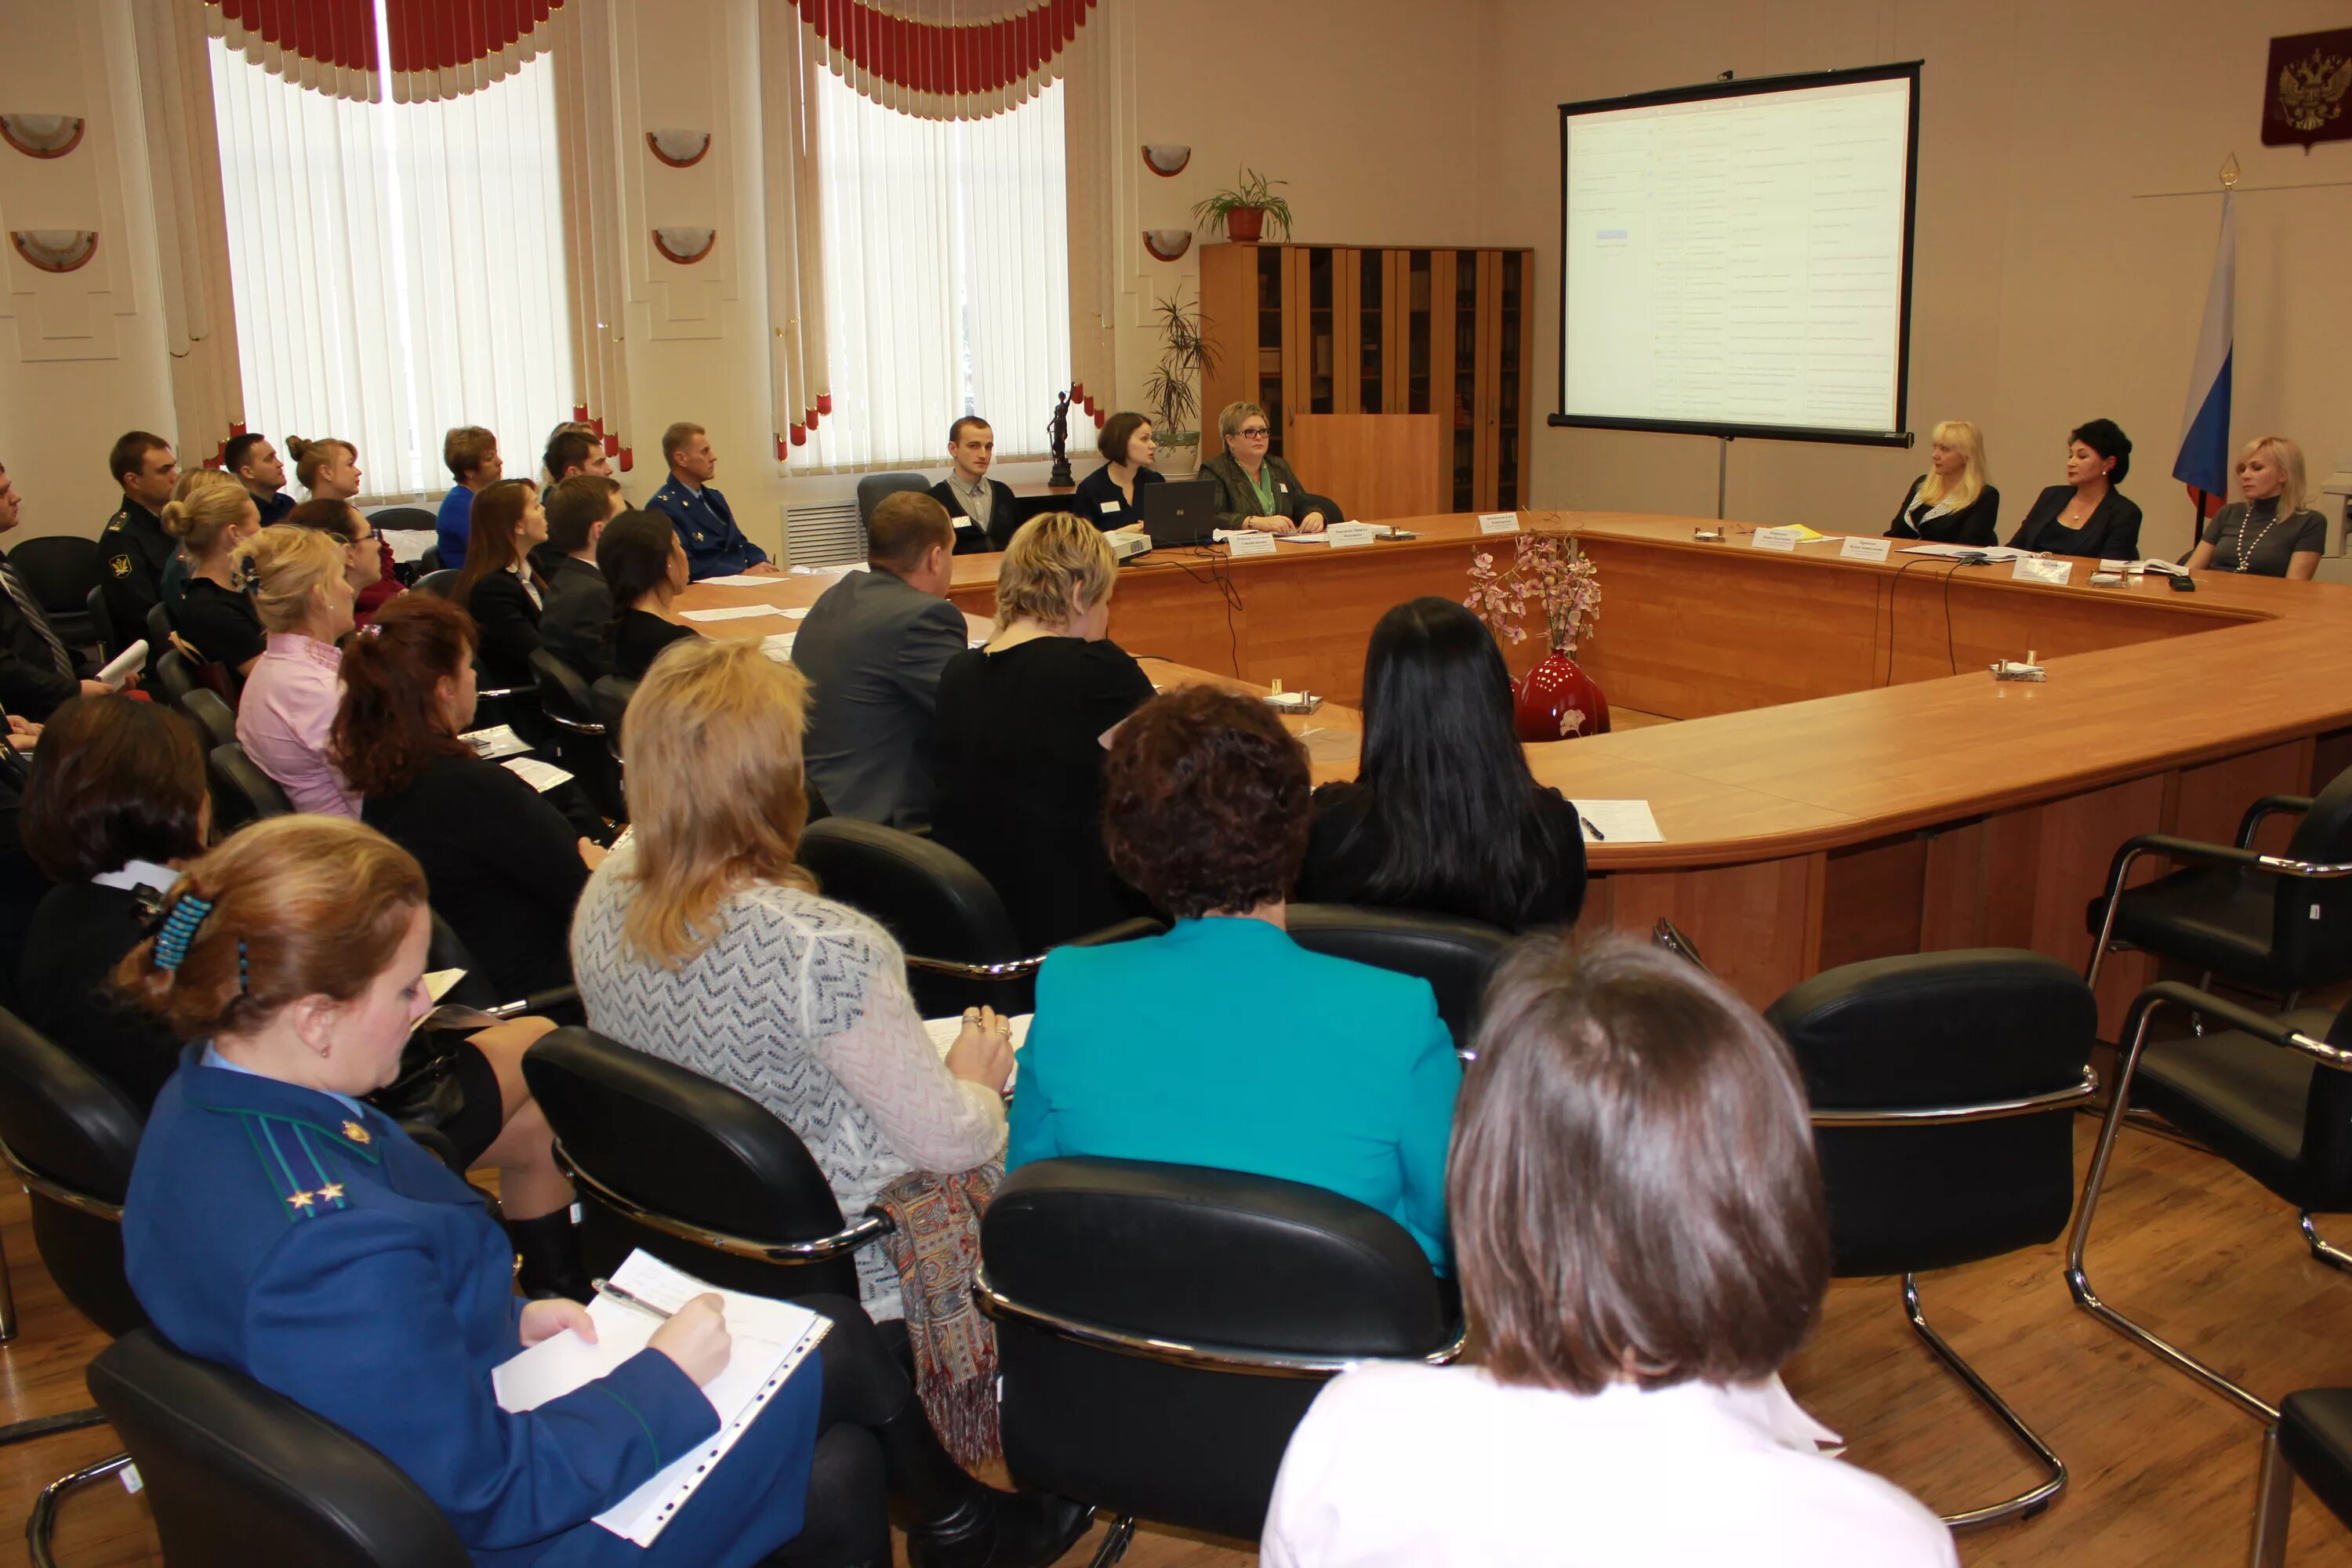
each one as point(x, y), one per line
point(115, 524)
point(290, 1160)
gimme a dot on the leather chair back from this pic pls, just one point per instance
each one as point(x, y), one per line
point(405, 519)
point(211, 711)
point(59, 569)
point(172, 681)
point(1198, 1256)
point(1942, 1030)
point(875, 489)
point(2311, 922)
point(561, 690)
point(159, 629)
point(238, 1474)
point(609, 699)
point(2326, 1152)
point(242, 793)
point(686, 1148)
point(579, 732)
point(932, 898)
point(76, 1132)
point(441, 582)
point(101, 621)
point(1454, 954)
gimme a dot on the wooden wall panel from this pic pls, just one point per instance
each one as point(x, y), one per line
point(1872, 899)
point(1376, 466)
point(1758, 926)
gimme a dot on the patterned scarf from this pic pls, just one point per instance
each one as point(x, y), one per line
point(934, 1244)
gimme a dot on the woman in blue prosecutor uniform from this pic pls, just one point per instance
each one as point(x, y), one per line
point(279, 1225)
point(715, 547)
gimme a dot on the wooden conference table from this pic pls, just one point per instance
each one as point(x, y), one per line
point(1838, 792)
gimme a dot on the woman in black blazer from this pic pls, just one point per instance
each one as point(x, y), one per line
point(644, 569)
point(2086, 515)
point(1112, 496)
point(1951, 503)
point(502, 866)
point(496, 585)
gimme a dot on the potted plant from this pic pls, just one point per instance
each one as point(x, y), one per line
point(1245, 208)
point(1172, 391)
point(1555, 699)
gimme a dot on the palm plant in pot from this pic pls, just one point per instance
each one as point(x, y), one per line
point(1245, 209)
point(1555, 699)
point(1172, 391)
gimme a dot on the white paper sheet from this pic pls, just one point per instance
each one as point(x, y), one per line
point(741, 613)
point(540, 776)
point(944, 1032)
point(740, 580)
point(1619, 822)
point(498, 741)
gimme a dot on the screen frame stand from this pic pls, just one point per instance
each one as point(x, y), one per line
point(1722, 473)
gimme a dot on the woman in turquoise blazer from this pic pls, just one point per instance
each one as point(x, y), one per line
point(1225, 1043)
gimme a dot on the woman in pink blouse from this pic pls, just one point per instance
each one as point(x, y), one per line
point(305, 602)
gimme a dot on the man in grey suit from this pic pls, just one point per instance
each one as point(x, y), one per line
point(872, 647)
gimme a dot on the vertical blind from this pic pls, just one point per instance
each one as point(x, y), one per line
point(396, 268)
point(946, 277)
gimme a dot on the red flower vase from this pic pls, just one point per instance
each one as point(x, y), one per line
point(1558, 701)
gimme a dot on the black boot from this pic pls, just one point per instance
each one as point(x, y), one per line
point(549, 1247)
point(952, 1520)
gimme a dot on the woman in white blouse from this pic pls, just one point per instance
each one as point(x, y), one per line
point(1639, 1232)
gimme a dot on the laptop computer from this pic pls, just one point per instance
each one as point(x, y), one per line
point(1181, 511)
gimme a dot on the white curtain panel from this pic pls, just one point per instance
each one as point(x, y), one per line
point(947, 277)
point(398, 269)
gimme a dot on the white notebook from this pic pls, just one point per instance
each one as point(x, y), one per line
point(770, 1339)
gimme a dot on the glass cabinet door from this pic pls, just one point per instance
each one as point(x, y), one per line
point(1510, 414)
point(1322, 345)
point(1462, 430)
point(1270, 348)
point(1372, 330)
point(1418, 304)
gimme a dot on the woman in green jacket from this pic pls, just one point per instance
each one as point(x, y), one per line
point(1254, 488)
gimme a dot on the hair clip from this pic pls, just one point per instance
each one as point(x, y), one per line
point(240, 966)
point(248, 573)
point(179, 928)
point(372, 629)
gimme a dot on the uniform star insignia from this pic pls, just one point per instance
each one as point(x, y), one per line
point(301, 1200)
point(331, 1193)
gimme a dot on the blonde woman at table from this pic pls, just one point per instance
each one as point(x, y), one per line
point(329, 467)
point(1254, 488)
point(2270, 533)
point(1951, 503)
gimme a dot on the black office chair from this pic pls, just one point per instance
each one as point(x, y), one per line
point(2313, 1440)
point(217, 718)
point(101, 623)
point(71, 1137)
point(873, 490)
point(159, 630)
point(1161, 1330)
point(60, 570)
point(429, 562)
point(172, 681)
point(582, 738)
point(1454, 956)
point(697, 1174)
point(239, 1473)
point(1943, 1088)
point(960, 943)
point(2275, 923)
point(242, 793)
point(439, 581)
point(2272, 1096)
point(405, 520)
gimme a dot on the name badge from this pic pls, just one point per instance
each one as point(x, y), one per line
point(1280, 488)
point(1856, 548)
point(2053, 573)
point(1110, 507)
point(1781, 539)
point(1343, 534)
point(1250, 543)
point(1498, 522)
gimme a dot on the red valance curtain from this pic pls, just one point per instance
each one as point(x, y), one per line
point(440, 48)
point(944, 60)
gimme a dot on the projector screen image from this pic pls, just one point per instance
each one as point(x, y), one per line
point(1735, 258)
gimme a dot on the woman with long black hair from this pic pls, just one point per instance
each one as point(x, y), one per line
point(1443, 815)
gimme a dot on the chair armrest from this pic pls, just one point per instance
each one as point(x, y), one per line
point(2252, 820)
point(2245, 1020)
point(484, 695)
point(869, 1226)
point(1011, 970)
point(537, 1002)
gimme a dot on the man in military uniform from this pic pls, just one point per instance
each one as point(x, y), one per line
point(132, 549)
point(715, 547)
point(262, 472)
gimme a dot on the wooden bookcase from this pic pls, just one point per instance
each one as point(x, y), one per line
point(1338, 328)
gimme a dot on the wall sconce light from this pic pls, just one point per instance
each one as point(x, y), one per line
point(685, 245)
point(1167, 244)
point(1166, 159)
point(678, 148)
point(42, 135)
point(56, 250)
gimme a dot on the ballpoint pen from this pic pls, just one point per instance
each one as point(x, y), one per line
point(606, 1288)
point(1597, 836)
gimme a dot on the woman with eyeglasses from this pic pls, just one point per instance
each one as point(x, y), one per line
point(1254, 488)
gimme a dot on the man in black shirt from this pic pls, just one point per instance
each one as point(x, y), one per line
point(579, 606)
point(258, 468)
point(36, 670)
point(132, 549)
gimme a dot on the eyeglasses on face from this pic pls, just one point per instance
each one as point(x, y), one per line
point(1253, 432)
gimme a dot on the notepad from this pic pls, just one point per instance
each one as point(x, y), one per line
point(1619, 822)
point(498, 741)
point(770, 1339)
point(743, 613)
point(540, 776)
point(944, 1032)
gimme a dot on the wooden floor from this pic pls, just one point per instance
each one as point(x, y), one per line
point(2162, 1473)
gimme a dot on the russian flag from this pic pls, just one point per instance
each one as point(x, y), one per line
point(2204, 461)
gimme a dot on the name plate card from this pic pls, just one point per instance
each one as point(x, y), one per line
point(2054, 573)
point(1498, 522)
point(1781, 539)
point(1856, 548)
point(1250, 543)
point(1342, 535)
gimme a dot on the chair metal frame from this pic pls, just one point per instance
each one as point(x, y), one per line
point(869, 1228)
point(2242, 855)
point(2034, 1499)
point(2273, 1502)
point(2145, 1008)
point(1199, 1357)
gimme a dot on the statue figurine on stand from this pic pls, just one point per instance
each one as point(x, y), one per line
point(1058, 443)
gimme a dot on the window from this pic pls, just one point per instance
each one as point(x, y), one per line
point(396, 268)
point(946, 277)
